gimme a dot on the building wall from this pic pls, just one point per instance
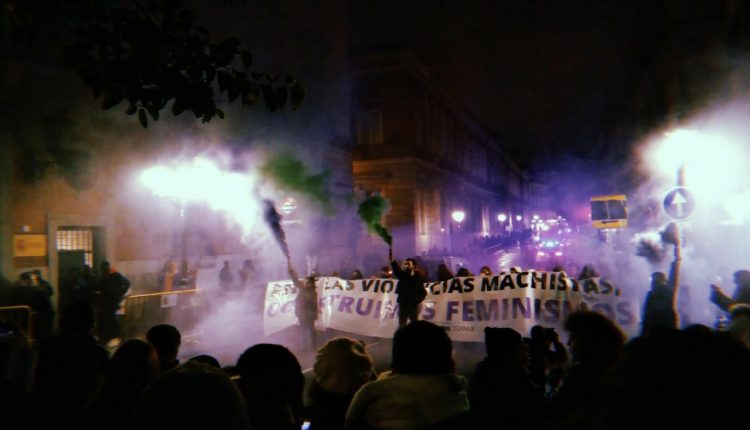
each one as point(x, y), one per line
point(6, 213)
point(143, 230)
point(404, 122)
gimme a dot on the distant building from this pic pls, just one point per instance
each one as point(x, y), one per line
point(429, 158)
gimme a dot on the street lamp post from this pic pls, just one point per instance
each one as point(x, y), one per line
point(501, 218)
point(184, 269)
point(458, 217)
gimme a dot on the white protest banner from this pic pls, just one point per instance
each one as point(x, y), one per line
point(278, 311)
point(463, 306)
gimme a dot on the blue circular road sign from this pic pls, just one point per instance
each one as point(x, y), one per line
point(679, 203)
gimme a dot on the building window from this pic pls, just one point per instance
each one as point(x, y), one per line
point(418, 128)
point(77, 239)
point(421, 213)
point(370, 127)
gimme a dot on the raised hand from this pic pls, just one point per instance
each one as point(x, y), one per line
point(716, 293)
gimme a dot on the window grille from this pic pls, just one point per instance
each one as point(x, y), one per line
point(77, 239)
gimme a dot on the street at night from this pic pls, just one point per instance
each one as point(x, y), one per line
point(355, 214)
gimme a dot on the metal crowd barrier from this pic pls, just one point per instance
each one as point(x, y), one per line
point(180, 308)
point(21, 317)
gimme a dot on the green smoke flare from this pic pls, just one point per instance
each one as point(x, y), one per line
point(371, 210)
point(288, 172)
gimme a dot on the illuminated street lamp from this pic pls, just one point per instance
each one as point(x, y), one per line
point(502, 217)
point(201, 180)
point(696, 156)
point(458, 216)
point(519, 217)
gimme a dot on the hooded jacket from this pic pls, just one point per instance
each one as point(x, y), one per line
point(403, 401)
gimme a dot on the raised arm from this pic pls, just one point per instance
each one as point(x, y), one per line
point(720, 299)
point(294, 276)
point(674, 273)
point(398, 272)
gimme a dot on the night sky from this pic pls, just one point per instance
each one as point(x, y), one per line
point(587, 78)
point(548, 77)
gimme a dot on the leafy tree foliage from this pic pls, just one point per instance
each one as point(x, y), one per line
point(148, 54)
point(154, 53)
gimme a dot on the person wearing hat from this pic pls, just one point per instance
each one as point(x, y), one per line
point(422, 389)
point(341, 367)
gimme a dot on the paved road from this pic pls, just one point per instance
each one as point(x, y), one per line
point(232, 324)
point(466, 354)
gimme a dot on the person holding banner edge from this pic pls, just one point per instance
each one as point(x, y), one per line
point(306, 307)
point(410, 291)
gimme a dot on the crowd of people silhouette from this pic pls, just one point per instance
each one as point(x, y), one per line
point(592, 376)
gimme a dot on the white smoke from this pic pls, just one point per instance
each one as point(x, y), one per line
point(710, 149)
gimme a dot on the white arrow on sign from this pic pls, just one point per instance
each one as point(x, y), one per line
point(679, 201)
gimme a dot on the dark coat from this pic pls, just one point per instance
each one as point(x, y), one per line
point(503, 395)
point(112, 288)
point(410, 288)
point(659, 306)
point(306, 304)
point(658, 309)
point(327, 410)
